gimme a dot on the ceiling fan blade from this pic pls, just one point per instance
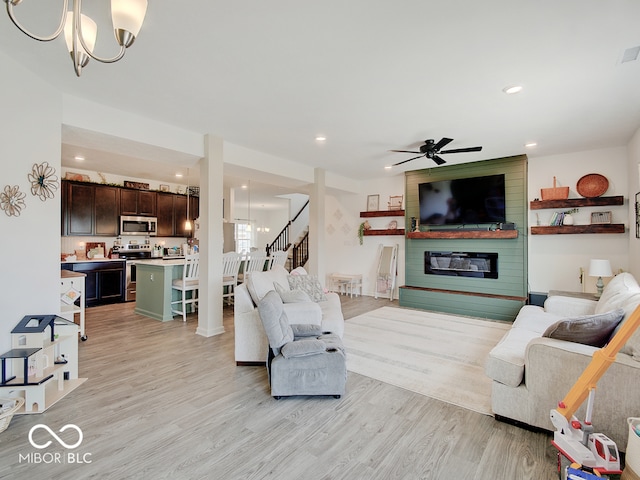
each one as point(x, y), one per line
point(442, 143)
point(405, 161)
point(460, 150)
point(403, 151)
point(438, 160)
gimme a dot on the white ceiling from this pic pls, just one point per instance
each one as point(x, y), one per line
point(370, 75)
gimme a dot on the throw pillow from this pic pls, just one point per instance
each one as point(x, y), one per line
point(632, 346)
point(309, 284)
point(594, 330)
point(291, 296)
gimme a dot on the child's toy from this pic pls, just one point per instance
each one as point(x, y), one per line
point(576, 440)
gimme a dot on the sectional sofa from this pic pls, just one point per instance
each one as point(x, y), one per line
point(531, 370)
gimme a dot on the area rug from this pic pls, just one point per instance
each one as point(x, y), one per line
point(434, 354)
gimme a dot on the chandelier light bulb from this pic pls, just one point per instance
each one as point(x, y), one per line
point(127, 17)
point(89, 34)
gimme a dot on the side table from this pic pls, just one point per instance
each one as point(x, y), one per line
point(585, 295)
point(346, 283)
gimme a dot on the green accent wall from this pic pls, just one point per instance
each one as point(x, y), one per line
point(498, 299)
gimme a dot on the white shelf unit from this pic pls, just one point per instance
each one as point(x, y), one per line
point(42, 367)
point(72, 290)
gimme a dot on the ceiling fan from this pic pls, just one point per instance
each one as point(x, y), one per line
point(431, 150)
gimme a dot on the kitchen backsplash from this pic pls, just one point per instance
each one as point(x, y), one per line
point(71, 244)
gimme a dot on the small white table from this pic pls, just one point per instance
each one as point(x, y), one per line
point(346, 283)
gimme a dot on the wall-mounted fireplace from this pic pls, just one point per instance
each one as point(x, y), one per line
point(461, 264)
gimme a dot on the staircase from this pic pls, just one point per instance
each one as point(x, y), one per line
point(299, 252)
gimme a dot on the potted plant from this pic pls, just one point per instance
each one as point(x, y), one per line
point(363, 226)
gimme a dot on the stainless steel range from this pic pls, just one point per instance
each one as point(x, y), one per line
point(132, 252)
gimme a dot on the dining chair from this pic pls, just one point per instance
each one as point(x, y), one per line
point(278, 258)
point(230, 270)
point(254, 262)
point(188, 283)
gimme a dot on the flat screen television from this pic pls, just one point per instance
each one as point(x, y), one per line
point(464, 201)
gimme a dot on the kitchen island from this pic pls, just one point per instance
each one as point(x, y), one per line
point(153, 289)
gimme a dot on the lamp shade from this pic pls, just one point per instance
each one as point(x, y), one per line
point(600, 268)
point(89, 32)
point(128, 15)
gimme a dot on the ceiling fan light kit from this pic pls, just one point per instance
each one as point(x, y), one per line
point(430, 149)
point(80, 31)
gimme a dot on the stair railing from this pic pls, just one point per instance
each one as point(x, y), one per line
point(300, 252)
point(282, 241)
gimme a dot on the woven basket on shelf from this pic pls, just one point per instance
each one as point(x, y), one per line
point(555, 193)
point(6, 416)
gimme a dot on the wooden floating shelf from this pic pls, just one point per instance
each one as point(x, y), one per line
point(576, 229)
point(577, 202)
point(382, 213)
point(496, 234)
point(374, 232)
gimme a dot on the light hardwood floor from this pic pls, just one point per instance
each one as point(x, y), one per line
point(162, 402)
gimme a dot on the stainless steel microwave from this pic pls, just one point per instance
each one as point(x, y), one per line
point(147, 226)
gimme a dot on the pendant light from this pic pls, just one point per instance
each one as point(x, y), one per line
point(187, 223)
point(249, 205)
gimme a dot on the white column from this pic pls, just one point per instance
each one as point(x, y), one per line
point(211, 194)
point(316, 225)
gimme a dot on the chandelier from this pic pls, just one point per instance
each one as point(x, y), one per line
point(80, 31)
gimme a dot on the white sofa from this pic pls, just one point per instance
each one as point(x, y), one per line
point(532, 372)
point(251, 343)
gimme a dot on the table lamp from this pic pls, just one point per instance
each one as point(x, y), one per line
point(600, 268)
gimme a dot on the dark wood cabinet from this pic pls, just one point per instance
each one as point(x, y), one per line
point(194, 207)
point(180, 216)
point(165, 215)
point(92, 209)
point(89, 209)
point(106, 215)
point(104, 281)
point(172, 215)
point(137, 202)
point(79, 209)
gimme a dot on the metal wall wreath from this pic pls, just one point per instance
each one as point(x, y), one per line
point(12, 200)
point(43, 180)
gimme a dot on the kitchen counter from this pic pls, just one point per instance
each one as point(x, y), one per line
point(159, 262)
point(83, 260)
point(153, 287)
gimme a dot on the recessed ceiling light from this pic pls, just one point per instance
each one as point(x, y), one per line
point(243, 186)
point(79, 158)
point(388, 167)
point(511, 89)
point(321, 138)
point(530, 144)
point(178, 175)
